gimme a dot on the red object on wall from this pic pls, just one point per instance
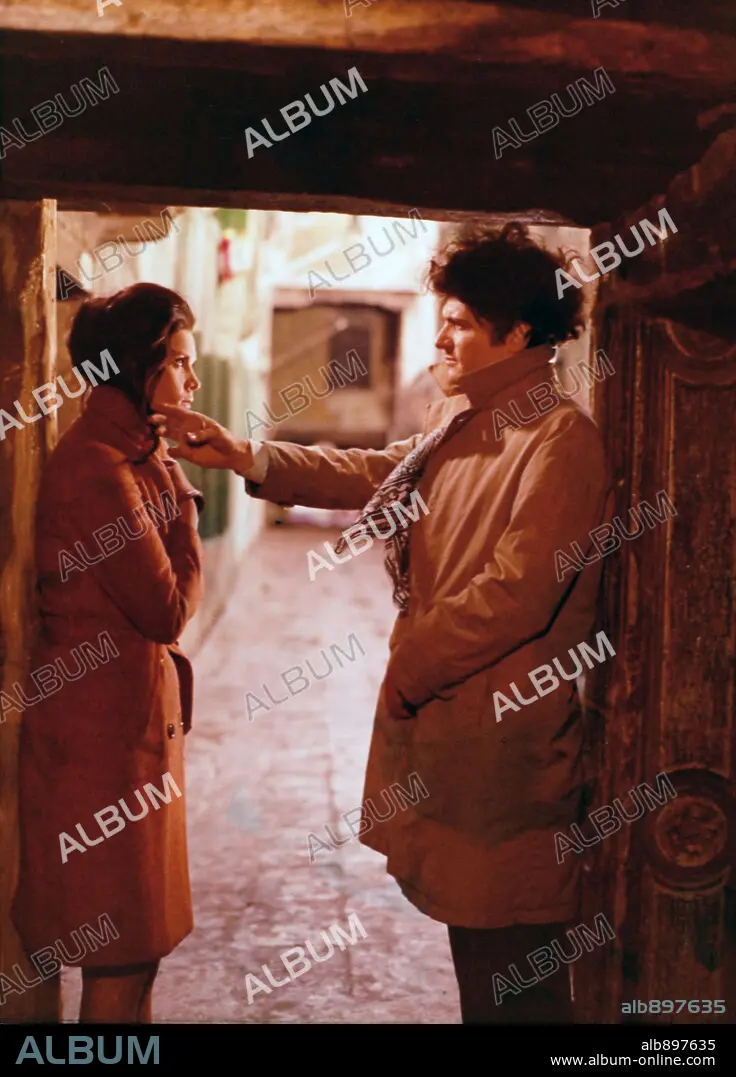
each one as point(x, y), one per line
point(224, 260)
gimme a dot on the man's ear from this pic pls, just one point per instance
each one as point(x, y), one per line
point(519, 336)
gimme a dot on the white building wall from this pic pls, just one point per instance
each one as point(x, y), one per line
point(418, 333)
point(316, 243)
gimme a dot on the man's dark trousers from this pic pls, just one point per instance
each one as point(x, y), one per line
point(478, 953)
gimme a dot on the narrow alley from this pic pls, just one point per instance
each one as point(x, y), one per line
point(256, 790)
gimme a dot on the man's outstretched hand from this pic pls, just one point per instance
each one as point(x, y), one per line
point(201, 440)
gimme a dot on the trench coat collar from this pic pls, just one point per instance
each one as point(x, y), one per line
point(493, 383)
point(117, 422)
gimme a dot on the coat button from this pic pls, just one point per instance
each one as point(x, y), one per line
point(170, 730)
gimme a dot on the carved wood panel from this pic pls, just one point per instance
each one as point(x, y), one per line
point(666, 706)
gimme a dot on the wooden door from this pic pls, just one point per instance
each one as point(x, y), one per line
point(666, 705)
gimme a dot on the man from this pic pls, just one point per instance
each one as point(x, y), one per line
point(481, 608)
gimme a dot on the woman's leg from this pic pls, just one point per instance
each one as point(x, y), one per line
point(117, 995)
point(145, 1010)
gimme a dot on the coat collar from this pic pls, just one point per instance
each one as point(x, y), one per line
point(497, 380)
point(117, 422)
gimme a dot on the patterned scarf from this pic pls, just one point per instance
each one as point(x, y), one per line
point(395, 493)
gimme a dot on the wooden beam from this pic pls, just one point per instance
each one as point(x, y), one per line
point(471, 34)
point(519, 205)
point(705, 15)
point(701, 201)
point(27, 355)
point(398, 144)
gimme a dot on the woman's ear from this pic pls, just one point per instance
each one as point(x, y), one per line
point(151, 381)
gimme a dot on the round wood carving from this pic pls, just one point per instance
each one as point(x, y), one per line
point(690, 841)
point(691, 831)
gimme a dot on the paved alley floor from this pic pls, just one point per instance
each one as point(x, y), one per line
point(255, 791)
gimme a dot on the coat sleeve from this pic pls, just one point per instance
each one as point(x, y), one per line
point(183, 488)
point(560, 499)
point(324, 478)
point(155, 587)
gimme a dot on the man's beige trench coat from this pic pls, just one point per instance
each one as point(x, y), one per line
point(486, 609)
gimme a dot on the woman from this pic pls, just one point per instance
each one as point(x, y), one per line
point(119, 575)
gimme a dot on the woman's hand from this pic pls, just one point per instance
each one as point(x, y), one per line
point(201, 440)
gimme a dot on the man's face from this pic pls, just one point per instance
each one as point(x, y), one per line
point(469, 343)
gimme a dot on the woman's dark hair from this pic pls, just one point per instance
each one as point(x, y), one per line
point(134, 325)
point(502, 275)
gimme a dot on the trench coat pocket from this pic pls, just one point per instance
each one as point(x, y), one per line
point(454, 713)
point(487, 791)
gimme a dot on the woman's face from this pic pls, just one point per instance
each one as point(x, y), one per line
point(175, 382)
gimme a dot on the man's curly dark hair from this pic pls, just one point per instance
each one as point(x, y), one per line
point(502, 275)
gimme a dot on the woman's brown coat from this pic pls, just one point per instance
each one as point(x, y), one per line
point(109, 724)
point(486, 608)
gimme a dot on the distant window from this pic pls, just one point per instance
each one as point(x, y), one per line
point(356, 338)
